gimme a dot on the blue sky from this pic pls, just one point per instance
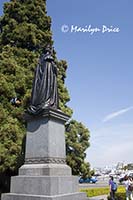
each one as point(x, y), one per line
point(100, 72)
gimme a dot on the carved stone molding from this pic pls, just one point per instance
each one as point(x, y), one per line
point(45, 160)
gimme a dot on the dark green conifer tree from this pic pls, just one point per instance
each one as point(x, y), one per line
point(25, 31)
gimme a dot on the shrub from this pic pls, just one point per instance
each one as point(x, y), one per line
point(95, 191)
point(120, 194)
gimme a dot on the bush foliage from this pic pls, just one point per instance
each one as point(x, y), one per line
point(120, 194)
point(25, 31)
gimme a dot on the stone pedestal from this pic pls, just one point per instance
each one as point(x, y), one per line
point(45, 175)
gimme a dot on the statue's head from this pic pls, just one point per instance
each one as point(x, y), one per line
point(48, 49)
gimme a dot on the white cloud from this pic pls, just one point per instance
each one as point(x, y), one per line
point(111, 144)
point(111, 154)
point(117, 113)
point(118, 152)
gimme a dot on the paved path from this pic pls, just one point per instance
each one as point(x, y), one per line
point(102, 197)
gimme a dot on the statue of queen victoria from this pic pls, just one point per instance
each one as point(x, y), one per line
point(44, 91)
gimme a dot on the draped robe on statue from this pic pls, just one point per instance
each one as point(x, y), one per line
point(44, 91)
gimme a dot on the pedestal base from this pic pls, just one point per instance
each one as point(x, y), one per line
point(45, 170)
point(75, 196)
point(45, 175)
point(44, 185)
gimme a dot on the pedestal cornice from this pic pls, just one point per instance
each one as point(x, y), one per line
point(48, 113)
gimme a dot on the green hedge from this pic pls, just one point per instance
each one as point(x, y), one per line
point(119, 196)
point(91, 192)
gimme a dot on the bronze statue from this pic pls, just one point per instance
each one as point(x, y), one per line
point(44, 91)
